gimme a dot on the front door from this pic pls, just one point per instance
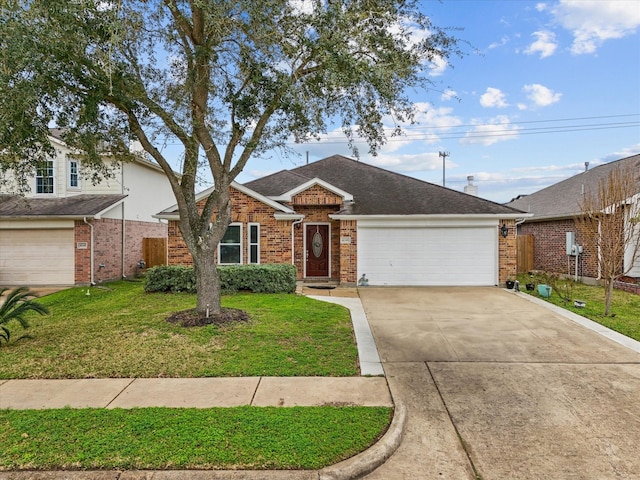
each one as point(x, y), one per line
point(317, 250)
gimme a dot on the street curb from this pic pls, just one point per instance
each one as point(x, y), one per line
point(367, 461)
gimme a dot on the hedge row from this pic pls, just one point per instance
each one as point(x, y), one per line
point(265, 278)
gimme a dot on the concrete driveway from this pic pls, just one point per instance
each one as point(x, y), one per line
point(497, 387)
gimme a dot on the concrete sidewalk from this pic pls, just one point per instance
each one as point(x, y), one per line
point(194, 392)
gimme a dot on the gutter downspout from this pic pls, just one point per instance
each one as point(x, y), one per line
point(91, 281)
point(124, 277)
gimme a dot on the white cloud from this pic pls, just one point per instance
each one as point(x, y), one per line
point(545, 44)
point(594, 22)
point(448, 94)
point(497, 129)
point(493, 97)
point(540, 95)
point(437, 66)
point(503, 41)
point(420, 162)
point(541, 7)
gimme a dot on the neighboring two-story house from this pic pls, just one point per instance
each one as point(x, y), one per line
point(68, 231)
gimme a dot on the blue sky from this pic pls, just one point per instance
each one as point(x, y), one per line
point(552, 85)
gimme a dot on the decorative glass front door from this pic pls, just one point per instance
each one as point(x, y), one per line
point(317, 250)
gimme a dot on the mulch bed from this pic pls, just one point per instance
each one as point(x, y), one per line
point(191, 318)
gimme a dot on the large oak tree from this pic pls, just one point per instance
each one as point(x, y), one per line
point(225, 79)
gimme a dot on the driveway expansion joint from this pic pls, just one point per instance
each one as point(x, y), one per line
point(463, 443)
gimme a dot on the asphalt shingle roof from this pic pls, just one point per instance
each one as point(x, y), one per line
point(377, 191)
point(13, 206)
point(563, 199)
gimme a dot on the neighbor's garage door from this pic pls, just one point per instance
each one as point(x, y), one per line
point(37, 257)
point(428, 255)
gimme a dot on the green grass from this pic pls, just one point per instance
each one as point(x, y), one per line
point(120, 331)
point(164, 438)
point(625, 307)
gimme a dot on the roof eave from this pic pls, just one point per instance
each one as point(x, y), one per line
point(168, 216)
point(501, 216)
point(241, 188)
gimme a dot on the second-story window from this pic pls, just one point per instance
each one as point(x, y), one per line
point(44, 177)
point(74, 177)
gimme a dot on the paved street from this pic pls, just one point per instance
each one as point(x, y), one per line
point(502, 388)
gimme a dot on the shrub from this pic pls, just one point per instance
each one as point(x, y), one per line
point(17, 303)
point(266, 278)
point(170, 278)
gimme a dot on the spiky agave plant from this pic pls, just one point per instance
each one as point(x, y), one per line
point(16, 304)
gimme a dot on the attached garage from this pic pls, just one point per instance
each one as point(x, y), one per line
point(37, 256)
point(429, 252)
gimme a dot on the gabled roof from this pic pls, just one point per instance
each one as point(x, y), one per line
point(377, 191)
point(77, 206)
point(286, 197)
point(563, 199)
point(172, 213)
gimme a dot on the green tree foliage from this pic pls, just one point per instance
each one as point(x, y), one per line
point(226, 80)
point(13, 307)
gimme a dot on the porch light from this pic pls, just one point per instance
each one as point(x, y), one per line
point(504, 230)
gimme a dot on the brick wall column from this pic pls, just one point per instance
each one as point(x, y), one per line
point(348, 251)
point(507, 252)
point(82, 239)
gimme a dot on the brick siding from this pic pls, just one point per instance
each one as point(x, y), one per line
point(316, 195)
point(82, 234)
point(550, 248)
point(348, 251)
point(507, 257)
point(275, 235)
point(107, 248)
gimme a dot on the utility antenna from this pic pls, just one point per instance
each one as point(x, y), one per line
point(444, 156)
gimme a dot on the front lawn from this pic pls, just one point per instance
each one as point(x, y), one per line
point(172, 438)
point(120, 331)
point(625, 308)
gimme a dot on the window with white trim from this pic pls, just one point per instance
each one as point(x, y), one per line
point(230, 247)
point(44, 177)
point(74, 173)
point(253, 245)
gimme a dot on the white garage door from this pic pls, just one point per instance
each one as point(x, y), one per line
point(37, 257)
point(428, 255)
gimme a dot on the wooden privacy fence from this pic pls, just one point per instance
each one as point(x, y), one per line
point(525, 253)
point(154, 251)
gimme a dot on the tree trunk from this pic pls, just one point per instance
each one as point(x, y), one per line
point(207, 281)
point(608, 296)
